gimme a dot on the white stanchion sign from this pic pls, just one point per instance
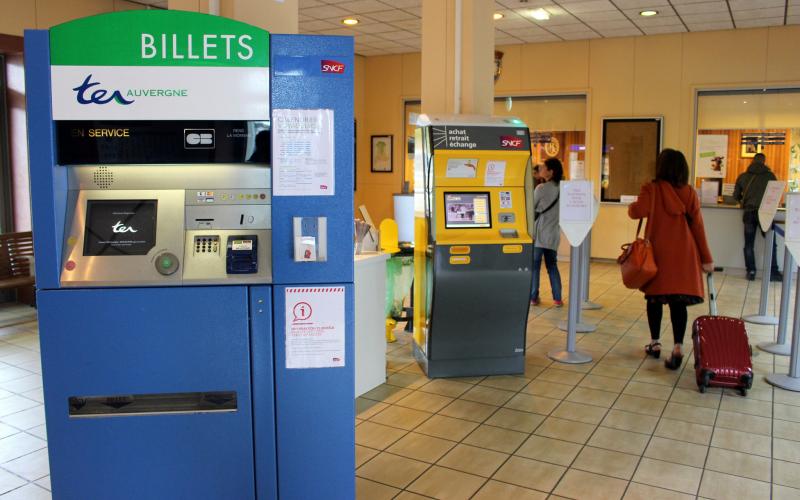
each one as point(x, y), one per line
point(769, 203)
point(577, 209)
point(792, 237)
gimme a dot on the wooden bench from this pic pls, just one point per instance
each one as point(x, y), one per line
point(16, 258)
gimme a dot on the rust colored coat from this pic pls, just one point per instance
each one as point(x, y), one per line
point(680, 248)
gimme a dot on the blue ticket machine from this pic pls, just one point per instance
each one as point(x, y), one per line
point(192, 187)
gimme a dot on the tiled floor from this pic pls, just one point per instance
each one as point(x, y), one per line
point(622, 426)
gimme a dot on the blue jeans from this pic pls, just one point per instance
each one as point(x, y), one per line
point(550, 261)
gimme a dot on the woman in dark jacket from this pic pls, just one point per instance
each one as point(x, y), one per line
point(680, 248)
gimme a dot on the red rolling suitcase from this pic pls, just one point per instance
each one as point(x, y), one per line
point(722, 353)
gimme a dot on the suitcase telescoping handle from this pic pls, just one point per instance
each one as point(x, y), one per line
point(712, 295)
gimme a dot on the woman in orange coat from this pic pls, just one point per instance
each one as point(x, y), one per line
point(680, 248)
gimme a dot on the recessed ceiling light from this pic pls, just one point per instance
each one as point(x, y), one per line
point(648, 13)
point(350, 21)
point(744, 102)
point(540, 14)
point(498, 15)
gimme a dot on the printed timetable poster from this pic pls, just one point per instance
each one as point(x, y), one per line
point(315, 327)
point(303, 154)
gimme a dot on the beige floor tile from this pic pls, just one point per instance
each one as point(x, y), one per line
point(744, 442)
point(696, 398)
point(580, 412)
point(786, 430)
point(468, 410)
point(720, 486)
point(585, 485)
point(567, 430)
point(506, 382)
point(487, 395)
point(739, 464)
point(366, 408)
point(787, 412)
point(363, 454)
point(786, 473)
point(787, 397)
point(377, 436)
point(784, 493)
point(603, 383)
point(688, 413)
point(636, 404)
point(407, 495)
point(532, 404)
point(617, 440)
point(370, 490)
point(424, 401)
point(668, 475)
point(644, 390)
point(612, 370)
point(473, 460)
point(421, 447)
point(593, 397)
point(386, 393)
point(549, 450)
point(679, 452)
point(788, 451)
point(606, 462)
point(392, 470)
point(627, 421)
point(520, 421)
point(739, 421)
point(560, 376)
point(407, 380)
point(445, 387)
point(446, 484)
point(495, 490)
point(454, 429)
point(748, 406)
point(684, 431)
point(530, 473)
point(547, 389)
point(638, 491)
point(495, 438)
point(403, 418)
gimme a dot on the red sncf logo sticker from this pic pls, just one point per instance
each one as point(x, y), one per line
point(510, 141)
point(329, 66)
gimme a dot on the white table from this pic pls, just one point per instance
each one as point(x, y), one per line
point(370, 307)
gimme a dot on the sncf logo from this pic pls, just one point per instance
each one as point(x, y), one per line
point(87, 93)
point(509, 141)
point(198, 138)
point(329, 66)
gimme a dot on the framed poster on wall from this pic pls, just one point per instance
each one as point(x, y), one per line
point(630, 149)
point(381, 158)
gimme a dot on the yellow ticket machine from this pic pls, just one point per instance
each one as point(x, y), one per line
point(473, 248)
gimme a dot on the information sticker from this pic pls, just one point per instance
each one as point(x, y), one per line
point(303, 152)
point(315, 327)
point(505, 199)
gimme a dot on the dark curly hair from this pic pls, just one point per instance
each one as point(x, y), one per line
point(554, 165)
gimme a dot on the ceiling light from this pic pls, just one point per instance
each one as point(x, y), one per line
point(350, 21)
point(498, 15)
point(540, 14)
point(648, 13)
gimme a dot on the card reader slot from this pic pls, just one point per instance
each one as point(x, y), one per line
point(152, 404)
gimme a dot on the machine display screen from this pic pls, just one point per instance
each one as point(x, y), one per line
point(120, 227)
point(467, 210)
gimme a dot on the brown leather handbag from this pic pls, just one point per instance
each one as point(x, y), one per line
point(637, 262)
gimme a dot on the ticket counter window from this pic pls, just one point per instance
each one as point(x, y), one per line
point(733, 126)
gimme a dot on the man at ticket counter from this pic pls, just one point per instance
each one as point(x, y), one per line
point(750, 188)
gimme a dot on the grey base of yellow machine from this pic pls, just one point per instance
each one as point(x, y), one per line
point(509, 365)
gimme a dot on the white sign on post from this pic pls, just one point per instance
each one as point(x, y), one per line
point(315, 327)
point(708, 192)
point(792, 237)
point(769, 203)
point(577, 209)
point(303, 156)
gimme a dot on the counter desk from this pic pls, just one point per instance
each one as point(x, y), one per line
point(725, 233)
point(370, 305)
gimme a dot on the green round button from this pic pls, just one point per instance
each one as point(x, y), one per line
point(166, 262)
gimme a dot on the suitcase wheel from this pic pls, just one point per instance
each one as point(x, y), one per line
point(705, 381)
point(747, 381)
point(743, 391)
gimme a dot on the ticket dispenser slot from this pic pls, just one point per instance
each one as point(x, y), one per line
point(241, 256)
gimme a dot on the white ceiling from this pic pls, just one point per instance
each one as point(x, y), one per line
point(395, 26)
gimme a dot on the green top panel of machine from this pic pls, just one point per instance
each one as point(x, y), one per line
point(158, 38)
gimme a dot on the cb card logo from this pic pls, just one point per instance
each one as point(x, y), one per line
point(510, 142)
point(329, 66)
point(86, 93)
point(199, 138)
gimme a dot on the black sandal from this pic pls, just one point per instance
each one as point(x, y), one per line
point(674, 361)
point(656, 353)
